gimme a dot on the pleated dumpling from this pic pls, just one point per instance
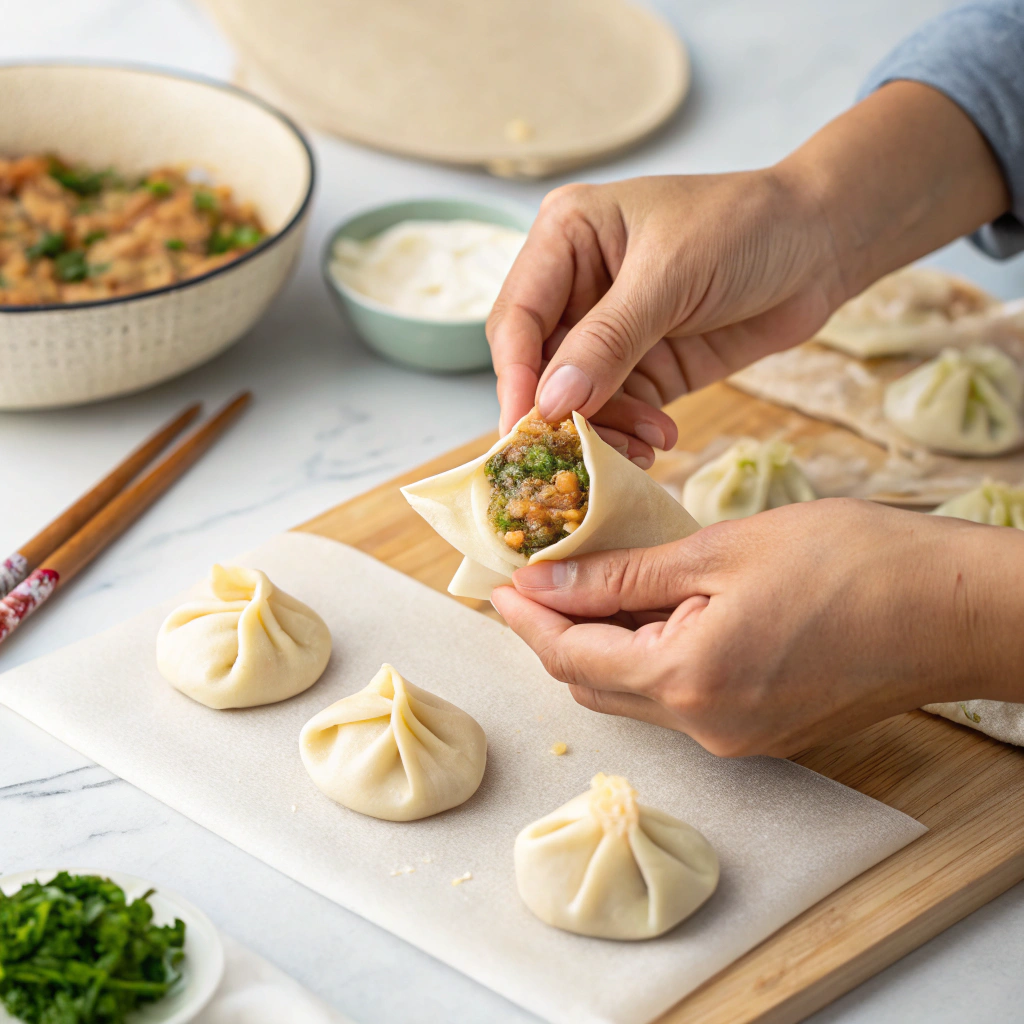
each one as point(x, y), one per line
point(968, 402)
point(994, 503)
point(249, 644)
point(394, 751)
point(750, 477)
point(915, 311)
point(607, 866)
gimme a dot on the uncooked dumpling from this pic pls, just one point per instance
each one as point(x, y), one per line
point(995, 503)
point(750, 477)
point(607, 866)
point(914, 311)
point(966, 402)
point(249, 644)
point(545, 491)
point(394, 751)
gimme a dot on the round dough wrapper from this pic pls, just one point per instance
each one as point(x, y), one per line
point(914, 311)
point(250, 644)
point(748, 478)
point(606, 866)
point(627, 509)
point(394, 751)
point(966, 402)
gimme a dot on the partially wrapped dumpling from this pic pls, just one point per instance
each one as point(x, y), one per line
point(250, 644)
point(915, 311)
point(545, 491)
point(750, 477)
point(607, 866)
point(394, 751)
point(994, 503)
point(968, 402)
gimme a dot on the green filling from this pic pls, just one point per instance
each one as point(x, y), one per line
point(74, 951)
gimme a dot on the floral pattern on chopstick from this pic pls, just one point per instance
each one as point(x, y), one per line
point(24, 599)
point(12, 571)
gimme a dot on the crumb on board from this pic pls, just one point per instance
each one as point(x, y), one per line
point(558, 749)
point(467, 877)
point(407, 870)
point(519, 130)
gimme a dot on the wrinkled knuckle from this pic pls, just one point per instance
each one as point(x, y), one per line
point(614, 334)
point(556, 664)
point(612, 573)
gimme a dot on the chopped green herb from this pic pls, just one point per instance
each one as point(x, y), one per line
point(246, 236)
point(80, 181)
point(242, 237)
point(160, 189)
point(971, 716)
point(174, 244)
point(93, 236)
point(71, 265)
point(51, 244)
point(75, 951)
point(205, 202)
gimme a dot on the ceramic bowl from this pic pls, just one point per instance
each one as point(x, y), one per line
point(135, 119)
point(440, 346)
point(203, 966)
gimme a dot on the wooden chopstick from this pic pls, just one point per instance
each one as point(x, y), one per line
point(16, 567)
point(111, 521)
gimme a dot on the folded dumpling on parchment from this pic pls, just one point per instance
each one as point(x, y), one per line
point(544, 492)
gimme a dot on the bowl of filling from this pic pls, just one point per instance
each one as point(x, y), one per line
point(147, 220)
point(417, 279)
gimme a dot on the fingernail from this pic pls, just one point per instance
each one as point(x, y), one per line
point(546, 575)
point(643, 461)
point(653, 435)
point(568, 388)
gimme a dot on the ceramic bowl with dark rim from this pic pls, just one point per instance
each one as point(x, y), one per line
point(135, 119)
point(440, 346)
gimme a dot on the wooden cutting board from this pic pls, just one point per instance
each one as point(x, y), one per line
point(967, 788)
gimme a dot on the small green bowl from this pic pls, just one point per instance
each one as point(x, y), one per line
point(440, 346)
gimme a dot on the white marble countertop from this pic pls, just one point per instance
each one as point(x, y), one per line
point(329, 421)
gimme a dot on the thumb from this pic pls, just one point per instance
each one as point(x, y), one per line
point(631, 580)
point(601, 350)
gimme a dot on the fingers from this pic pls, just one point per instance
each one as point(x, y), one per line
point(626, 705)
point(625, 444)
point(594, 655)
point(637, 579)
point(600, 351)
point(632, 416)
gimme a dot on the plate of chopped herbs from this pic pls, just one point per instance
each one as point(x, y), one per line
point(80, 947)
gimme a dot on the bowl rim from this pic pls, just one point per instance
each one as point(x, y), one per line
point(186, 76)
point(373, 305)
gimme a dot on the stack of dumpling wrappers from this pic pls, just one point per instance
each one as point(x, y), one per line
point(523, 88)
point(784, 836)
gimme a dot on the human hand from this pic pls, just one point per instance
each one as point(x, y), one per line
point(636, 292)
point(769, 634)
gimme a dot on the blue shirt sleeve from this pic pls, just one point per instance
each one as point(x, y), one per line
point(974, 54)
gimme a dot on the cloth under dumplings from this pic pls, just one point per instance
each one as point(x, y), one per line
point(914, 311)
point(606, 866)
point(627, 508)
point(394, 751)
point(748, 478)
point(969, 402)
point(249, 644)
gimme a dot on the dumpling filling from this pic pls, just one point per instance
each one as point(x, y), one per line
point(540, 486)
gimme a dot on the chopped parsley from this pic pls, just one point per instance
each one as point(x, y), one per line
point(93, 236)
point(244, 236)
point(205, 202)
point(80, 181)
point(160, 189)
point(174, 244)
point(51, 244)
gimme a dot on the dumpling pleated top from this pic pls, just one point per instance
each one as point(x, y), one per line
point(249, 644)
point(607, 866)
point(394, 751)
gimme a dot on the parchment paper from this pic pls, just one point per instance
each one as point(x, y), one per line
point(786, 836)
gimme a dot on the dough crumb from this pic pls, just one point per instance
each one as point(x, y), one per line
point(467, 877)
point(428, 859)
point(519, 130)
point(559, 749)
point(407, 870)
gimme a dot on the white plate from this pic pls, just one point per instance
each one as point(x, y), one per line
point(202, 967)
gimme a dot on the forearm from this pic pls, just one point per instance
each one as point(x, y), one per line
point(899, 175)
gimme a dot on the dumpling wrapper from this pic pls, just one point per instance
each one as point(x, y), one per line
point(914, 311)
point(606, 866)
point(967, 402)
point(627, 509)
point(994, 503)
point(748, 478)
point(394, 751)
point(250, 644)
